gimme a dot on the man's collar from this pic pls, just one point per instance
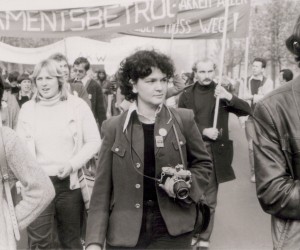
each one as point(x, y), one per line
point(260, 78)
point(133, 107)
point(85, 79)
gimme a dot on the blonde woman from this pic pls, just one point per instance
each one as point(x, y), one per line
point(62, 134)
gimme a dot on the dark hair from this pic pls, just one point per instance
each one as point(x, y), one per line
point(138, 66)
point(1, 90)
point(262, 60)
point(287, 74)
point(23, 77)
point(293, 42)
point(58, 57)
point(101, 71)
point(83, 60)
point(13, 76)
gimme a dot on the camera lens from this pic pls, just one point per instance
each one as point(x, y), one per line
point(181, 189)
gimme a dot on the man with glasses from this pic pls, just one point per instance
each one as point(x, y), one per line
point(80, 68)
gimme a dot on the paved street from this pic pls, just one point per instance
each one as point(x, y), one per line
point(240, 223)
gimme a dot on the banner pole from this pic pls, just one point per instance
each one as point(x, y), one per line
point(222, 61)
point(244, 83)
point(172, 38)
point(66, 50)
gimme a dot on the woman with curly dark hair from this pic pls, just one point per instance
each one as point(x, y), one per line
point(131, 206)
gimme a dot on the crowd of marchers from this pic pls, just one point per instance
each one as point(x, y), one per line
point(159, 149)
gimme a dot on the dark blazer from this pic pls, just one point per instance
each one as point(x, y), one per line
point(97, 100)
point(116, 208)
point(81, 91)
point(222, 157)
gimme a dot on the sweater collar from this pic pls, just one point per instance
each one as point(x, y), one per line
point(50, 101)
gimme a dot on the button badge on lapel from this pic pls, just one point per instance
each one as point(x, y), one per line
point(162, 132)
point(159, 141)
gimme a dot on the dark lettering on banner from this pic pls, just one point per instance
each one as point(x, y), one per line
point(202, 19)
point(85, 21)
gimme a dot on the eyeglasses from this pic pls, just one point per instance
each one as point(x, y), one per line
point(78, 71)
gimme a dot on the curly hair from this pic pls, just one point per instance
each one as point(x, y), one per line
point(293, 42)
point(138, 66)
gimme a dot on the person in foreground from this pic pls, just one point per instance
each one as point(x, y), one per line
point(277, 156)
point(62, 134)
point(130, 208)
point(38, 189)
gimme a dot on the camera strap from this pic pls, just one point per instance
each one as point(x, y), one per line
point(179, 148)
point(149, 177)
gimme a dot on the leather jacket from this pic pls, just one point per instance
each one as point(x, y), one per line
point(277, 151)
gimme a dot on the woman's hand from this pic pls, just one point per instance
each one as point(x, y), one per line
point(65, 171)
point(168, 186)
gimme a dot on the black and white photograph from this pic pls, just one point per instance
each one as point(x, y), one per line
point(150, 124)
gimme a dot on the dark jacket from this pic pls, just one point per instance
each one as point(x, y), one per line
point(78, 89)
point(224, 172)
point(236, 106)
point(277, 151)
point(97, 100)
point(117, 202)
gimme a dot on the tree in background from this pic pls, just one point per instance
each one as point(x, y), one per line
point(271, 24)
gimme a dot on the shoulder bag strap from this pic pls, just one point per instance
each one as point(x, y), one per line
point(5, 179)
point(179, 146)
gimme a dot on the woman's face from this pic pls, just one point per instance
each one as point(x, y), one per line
point(26, 86)
point(152, 89)
point(46, 84)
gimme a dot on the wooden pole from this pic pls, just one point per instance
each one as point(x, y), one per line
point(222, 61)
point(66, 50)
point(172, 38)
point(245, 82)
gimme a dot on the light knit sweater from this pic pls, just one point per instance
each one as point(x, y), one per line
point(38, 189)
point(53, 139)
point(81, 125)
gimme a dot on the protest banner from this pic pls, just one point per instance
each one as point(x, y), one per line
point(89, 21)
point(202, 19)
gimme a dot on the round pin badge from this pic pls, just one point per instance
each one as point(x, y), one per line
point(162, 132)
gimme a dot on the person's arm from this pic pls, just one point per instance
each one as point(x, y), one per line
point(277, 191)
point(13, 111)
point(178, 87)
point(199, 161)
point(91, 138)
point(181, 104)
point(37, 191)
point(232, 103)
point(97, 223)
